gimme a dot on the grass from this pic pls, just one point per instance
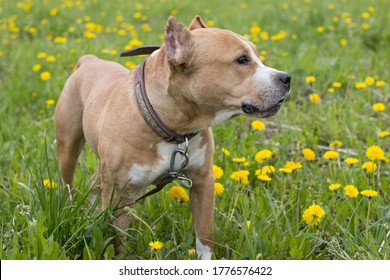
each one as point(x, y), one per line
point(345, 42)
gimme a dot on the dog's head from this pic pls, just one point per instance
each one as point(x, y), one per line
point(220, 71)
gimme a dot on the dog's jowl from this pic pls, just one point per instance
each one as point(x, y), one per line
point(136, 121)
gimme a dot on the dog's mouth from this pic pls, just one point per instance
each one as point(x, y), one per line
point(255, 111)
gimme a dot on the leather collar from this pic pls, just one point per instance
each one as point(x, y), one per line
point(149, 114)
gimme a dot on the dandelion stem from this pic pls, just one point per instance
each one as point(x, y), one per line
point(368, 217)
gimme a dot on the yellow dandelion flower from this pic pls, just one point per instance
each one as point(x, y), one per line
point(267, 169)
point(310, 79)
point(382, 134)
point(89, 35)
point(60, 40)
point(121, 32)
point(218, 188)
point(37, 67)
point(137, 15)
point(375, 153)
point(309, 154)
point(49, 184)
point(50, 102)
point(320, 29)
point(53, 12)
point(263, 155)
point(179, 193)
point(248, 224)
point(210, 23)
point(239, 159)
point(360, 85)
point(331, 155)
point(334, 187)
point(293, 165)
point(313, 215)
point(365, 26)
point(191, 252)
point(351, 191)
point(380, 83)
point(244, 5)
point(285, 170)
point(279, 36)
point(240, 176)
point(369, 81)
point(146, 28)
point(258, 125)
point(369, 193)
point(365, 15)
point(255, 29)
point(45, 76)
point(343, 42)
point(217, 171)
point(156, 245)
point(41, 55)
point(264, 177)
point(336, 144)
point(347, 20)
point(51, 59)
point(331, 90)
point(379, 107)
point(119, 18)
point(337, 84)
point(351, 161)
point(369, 166)
point(130, 64)
point(315, 98)
point(225, 152)
point(264, 36)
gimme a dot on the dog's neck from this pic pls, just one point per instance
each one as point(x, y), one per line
point(184, 116)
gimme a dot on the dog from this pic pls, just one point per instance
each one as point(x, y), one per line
point(142, 123)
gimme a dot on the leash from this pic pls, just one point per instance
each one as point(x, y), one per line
point(154, 122)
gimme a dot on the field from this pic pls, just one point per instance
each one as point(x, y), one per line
point(312, 182)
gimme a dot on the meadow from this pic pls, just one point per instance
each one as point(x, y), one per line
point(312, 182)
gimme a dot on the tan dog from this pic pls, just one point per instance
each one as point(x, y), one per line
point(200, 77)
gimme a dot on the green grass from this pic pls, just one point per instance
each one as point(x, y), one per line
point(37, 222)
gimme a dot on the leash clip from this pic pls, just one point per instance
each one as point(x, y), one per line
point(177, 173)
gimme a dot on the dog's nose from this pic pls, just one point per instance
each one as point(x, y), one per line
point(285, 78)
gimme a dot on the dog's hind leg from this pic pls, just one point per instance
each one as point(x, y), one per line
point(69, 132)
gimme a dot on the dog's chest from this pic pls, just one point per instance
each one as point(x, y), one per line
point(143, 175)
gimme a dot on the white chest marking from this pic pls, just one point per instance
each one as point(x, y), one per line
point(142, 175)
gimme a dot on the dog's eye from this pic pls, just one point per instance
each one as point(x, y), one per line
point(243, 60)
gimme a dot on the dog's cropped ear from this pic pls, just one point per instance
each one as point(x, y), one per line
point(196, 23)
point(179, 44)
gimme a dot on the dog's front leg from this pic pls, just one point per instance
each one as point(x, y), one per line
point(202, 206)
